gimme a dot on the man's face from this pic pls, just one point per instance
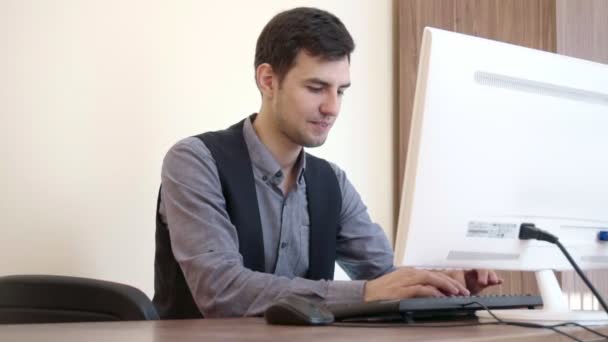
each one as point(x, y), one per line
point(307, 102)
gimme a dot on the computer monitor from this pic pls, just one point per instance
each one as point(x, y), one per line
point(503, 135)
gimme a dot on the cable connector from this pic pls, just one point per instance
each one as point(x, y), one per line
point(528, 231)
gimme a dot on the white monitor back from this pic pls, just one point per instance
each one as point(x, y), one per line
point(503, 135)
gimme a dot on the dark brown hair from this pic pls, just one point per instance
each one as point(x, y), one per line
point(318, 32)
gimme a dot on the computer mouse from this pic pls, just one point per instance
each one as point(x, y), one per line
point(294, 310)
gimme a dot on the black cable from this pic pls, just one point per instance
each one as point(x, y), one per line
point(528, 231)
point(541, 326)
point(407, 325)
point(499, 321)
point(582, 275)
point(589, 330)
point(414, 325)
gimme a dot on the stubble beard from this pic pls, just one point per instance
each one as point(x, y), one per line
point(296, 136)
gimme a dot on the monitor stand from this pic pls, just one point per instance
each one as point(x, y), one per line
point(555, 308)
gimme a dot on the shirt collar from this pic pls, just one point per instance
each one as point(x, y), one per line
point(265, 166)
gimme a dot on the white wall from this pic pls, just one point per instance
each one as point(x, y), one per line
point(93, 93)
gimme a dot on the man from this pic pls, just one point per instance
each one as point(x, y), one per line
point(246, 216)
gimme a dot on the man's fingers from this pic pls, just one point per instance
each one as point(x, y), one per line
point(461, 286)
point(428, 291)
point(409, 282)
point(458, 275)
point(490, 277)
point(493, 278)
point(420, 291)
point(443, 283)
point(482, 277)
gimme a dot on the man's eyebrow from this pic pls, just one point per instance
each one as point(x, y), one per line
point(324, 83)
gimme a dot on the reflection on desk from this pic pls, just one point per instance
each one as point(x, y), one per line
point(255, 329)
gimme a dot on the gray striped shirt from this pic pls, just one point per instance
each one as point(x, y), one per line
point(205, 242)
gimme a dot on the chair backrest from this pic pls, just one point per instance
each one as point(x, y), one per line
point(54, 299)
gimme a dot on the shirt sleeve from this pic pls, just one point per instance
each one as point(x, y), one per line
point(205, 243)
point(363, 250)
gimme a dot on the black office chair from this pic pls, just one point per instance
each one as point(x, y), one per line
point(54, 299)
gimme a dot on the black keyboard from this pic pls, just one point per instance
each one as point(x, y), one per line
point(430, 308)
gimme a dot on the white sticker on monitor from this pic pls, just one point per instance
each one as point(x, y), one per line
point(496, 230)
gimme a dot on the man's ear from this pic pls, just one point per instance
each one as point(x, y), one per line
point(266, 79)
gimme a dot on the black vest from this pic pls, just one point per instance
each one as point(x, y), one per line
point(172, 296)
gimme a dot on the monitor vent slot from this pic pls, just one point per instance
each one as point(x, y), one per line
point(464, 255)
point(540, 88)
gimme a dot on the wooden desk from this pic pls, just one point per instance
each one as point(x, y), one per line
point(255, 329)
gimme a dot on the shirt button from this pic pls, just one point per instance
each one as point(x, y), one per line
point(278, 174)
point(283, 244)
point(264, 178)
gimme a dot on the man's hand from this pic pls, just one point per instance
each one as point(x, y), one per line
point(475, 280)
point(409, 282)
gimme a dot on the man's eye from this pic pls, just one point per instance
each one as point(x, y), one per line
point(315, 89)
point(340, 92)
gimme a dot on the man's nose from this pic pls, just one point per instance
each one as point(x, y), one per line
point(330, 104)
